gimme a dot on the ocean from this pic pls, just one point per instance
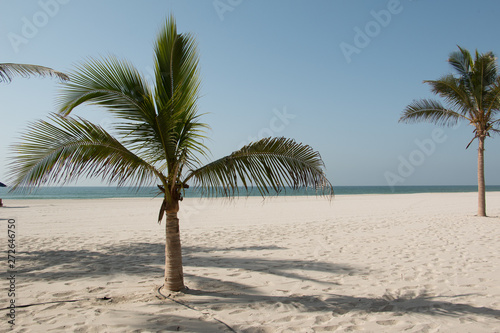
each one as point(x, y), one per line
point(101, 192)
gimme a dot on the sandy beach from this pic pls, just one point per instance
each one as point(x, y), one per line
point(371, 263)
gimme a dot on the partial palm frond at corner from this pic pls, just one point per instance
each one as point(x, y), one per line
point(10, 70)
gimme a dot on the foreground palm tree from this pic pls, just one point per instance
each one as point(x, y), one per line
point(9, 70)
point(157, 138)
point(473, 95)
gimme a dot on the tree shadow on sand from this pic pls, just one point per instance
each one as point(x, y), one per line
point(148, 259)
point(333, 304)
point(147, 322)
point(144, 259)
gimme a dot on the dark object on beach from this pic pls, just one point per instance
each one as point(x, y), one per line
point(2, 185)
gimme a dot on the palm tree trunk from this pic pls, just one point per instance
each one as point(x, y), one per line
point(481, 187)
point(174, 278)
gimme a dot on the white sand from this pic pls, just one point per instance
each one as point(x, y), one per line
point(376, 263)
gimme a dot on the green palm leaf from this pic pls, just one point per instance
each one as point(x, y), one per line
point(177, 89)
point(65, 148)
point(176, 69)
point(492, 100)
point(109, 82)
point(461, 61)
point(271, 163)
point(453, 92)
point(9, 70)
point(431, 111)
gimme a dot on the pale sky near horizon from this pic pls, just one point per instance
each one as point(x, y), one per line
point(335, 75)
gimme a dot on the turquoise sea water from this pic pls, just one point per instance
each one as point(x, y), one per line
point(150, 192)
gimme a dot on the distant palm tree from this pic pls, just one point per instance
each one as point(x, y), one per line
point(8, 70)
point(158, 138)
point(473, 95)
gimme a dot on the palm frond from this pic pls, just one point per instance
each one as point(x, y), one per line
point(176, 68)
point(482, 77)
point(491, 100)
point(268, 164)
point(9, 70)
point(112, 83)
point(454, 93)
point(475, 75)
point(176, 96)
point(65, 148)
point(485, 70)
point(461, 61)
point(119, 88)
point(431, 111)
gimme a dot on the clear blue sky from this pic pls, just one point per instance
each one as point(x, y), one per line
point(283, 68)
